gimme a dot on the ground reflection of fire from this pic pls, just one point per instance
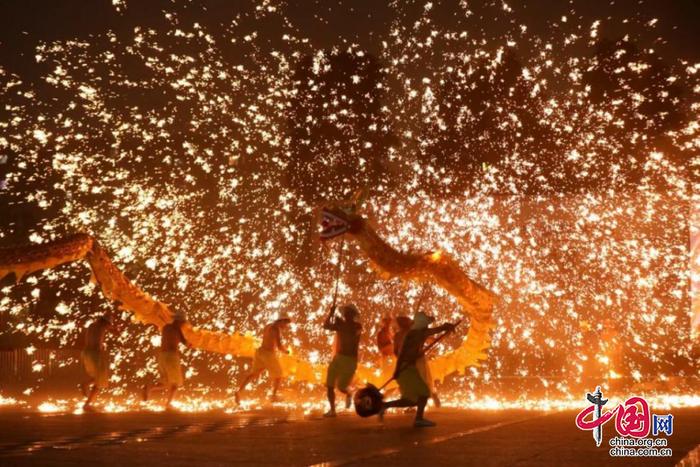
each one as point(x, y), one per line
point(306, 407)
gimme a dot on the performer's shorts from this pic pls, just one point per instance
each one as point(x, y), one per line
point(96, 363)
point(170, 369)
point(340, 371)
point(412, 385)
point(267, 360)
point(424, 370)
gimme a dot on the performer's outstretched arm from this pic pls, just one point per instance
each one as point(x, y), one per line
point(329, 323)
point(447, 327)
point(182, 337)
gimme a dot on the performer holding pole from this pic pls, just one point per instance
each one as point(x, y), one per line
point(344, 363)
point(266, 357)
point(96, 358)
point(422, 363)
point(347, 342)
point(414, 390)
point(169, 360)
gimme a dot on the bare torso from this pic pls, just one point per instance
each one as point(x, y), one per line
point(171, 336)
point(95, 335)
point(385, 338)
point(347, 337)
point(271, 337)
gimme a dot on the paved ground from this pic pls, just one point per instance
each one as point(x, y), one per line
point(274, 437)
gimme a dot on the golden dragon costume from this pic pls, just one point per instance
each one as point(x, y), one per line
point(115, 286)
point(437, 267)
point(475, 300)
point(25, 260)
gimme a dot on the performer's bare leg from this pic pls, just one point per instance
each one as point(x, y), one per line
point(422, 401)
point(171, 394)
point(275, 387)
point(420, 420)
point(148, 389)
point(85, 386)
point(331, 401)
point(160, 387)
point(253, 375)
point(348, 397)
point(399, 403)
point(395, 403)
point(87, 406)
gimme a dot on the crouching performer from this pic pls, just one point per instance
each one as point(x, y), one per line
point(344, 363)
point(414, 390)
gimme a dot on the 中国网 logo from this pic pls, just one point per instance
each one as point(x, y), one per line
point(634, 423)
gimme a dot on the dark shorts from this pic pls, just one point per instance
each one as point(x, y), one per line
point(341, 371)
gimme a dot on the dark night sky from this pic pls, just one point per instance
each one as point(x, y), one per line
point(23, 24)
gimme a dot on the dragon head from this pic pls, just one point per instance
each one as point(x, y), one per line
point(339, 218)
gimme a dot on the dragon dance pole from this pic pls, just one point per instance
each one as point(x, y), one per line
point(421, 297)
point(341, 249)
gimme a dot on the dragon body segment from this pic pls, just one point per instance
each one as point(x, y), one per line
point(437, 267)
point(116, 286)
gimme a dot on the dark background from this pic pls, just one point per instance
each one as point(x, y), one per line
point(326, 23)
